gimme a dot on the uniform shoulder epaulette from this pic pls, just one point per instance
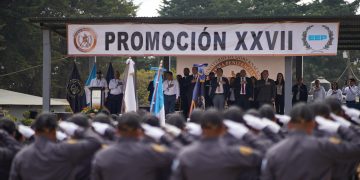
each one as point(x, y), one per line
point(334, 140)
point(246, 150)
point(158, 148)
point(71, 141)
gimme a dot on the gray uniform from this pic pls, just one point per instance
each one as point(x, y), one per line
point(45, 159)
point(131, 159)
point(301, 156)
point(213, 159)
point(8, 149)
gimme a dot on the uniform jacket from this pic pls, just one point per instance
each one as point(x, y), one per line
point(213, 159)
point(301, 156)
point(131, 159)
point(45, 159)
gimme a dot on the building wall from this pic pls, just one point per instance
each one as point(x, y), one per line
point(233, 64)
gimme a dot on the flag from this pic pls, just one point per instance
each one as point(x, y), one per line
point(198, 96)
point(110, 73)
point(91, 76)
point(157, 107)
point(129, 96)
point(75, 94)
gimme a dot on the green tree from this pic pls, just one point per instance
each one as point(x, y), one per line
point(21, 41)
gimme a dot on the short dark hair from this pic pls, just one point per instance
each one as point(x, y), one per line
point(45, 121)
point(80, 120)
point(129, 122)
point(235, 114)
point(169, 73)
point(334, 104)
point(301, 113)
point(253, 112)
point(102, 118)
point(7, 125)
point(196, 116)
point(151, 120)
point(211, 118)
point(267, 111)
point(176, 120)
point(219, 69)
point(320, 109)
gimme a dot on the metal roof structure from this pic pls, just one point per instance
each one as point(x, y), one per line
point(20, 99)
point(349, 33)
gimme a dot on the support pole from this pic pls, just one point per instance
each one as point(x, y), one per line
point(46, 70)
point(299, 63)
point(288, 84)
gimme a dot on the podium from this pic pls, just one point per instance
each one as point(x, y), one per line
point(97, 97)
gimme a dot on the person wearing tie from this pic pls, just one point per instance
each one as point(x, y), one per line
point(116, 94)
point(243, 90)
point(219, 90)
point(266, 89)
point(171, 93)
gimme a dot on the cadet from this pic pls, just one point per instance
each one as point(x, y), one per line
point(302, 156)
point(45, 159)
point(8, 146)
point(130, 158)
point(210, 158)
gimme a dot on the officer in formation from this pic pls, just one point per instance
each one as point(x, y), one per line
point(317, 141)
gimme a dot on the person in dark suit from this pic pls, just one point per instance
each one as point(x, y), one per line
point(219, 90)
point(208, 82)
point(185, 94)
point(280, 93)
point(300, 92)
point(150, 88)
point(266, 89)
point(243, 89)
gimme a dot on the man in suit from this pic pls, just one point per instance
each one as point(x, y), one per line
point(300, 92)
point(219, 90)
point(266, 89)
point(208, 82)
point(185, 94)
point(243, 90)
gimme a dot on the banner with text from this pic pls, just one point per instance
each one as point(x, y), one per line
point(272, 39)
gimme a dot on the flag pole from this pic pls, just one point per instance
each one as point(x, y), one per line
point(156, 86)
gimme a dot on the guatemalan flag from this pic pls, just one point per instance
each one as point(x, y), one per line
point(92, 75)
point(157, 103)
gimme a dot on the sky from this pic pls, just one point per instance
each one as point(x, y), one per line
point(148, 8)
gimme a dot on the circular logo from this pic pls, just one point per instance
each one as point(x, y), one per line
point(317, 38)
point(232, 64)
point(85, 39)
point(74, 88)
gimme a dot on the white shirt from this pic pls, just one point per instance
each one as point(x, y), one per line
point(243, 85)
point(318, 95)
point(220, 87)
point(98, 83)
point(116, 86)
point(351, 93)
point(171, 88)
point(335, 93)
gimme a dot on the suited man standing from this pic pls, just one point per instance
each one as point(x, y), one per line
point(243, 90)
point(185, 93)
point(266, 89)
point(219, 90)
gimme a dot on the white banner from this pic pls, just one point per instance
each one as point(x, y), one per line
point(272, 39)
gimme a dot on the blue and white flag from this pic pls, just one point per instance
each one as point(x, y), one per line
point(91, 76)
point(157, 103)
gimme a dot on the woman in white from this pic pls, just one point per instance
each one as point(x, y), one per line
point(334, 91)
